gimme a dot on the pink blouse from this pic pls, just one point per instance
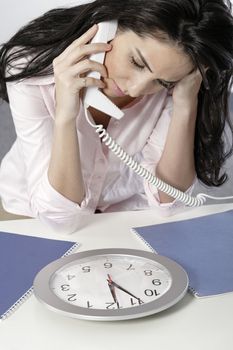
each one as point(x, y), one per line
point(110, 185)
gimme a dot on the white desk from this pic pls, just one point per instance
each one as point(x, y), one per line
point(203, 324)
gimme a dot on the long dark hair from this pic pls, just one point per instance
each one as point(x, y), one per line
point(203, 28)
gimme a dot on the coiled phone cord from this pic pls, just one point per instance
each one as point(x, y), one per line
point(199, 200)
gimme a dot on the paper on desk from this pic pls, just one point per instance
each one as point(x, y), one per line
point(21, 258)
point(202, 246)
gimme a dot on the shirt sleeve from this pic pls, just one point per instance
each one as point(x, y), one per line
point(34, 129)
point(152, 153)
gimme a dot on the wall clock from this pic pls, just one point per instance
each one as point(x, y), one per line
point(111, 284)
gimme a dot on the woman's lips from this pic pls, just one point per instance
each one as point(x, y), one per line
point(118, 90)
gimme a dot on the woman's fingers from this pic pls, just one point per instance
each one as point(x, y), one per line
point(88, 81)
point(70, 68)
point(83, 51)
point(82, 40)
point(70, 76)
point(87, 66)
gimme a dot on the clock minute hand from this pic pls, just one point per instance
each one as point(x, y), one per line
point(126, 291)
point(110, 281)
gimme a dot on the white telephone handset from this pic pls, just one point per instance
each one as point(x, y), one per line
point(95, 98)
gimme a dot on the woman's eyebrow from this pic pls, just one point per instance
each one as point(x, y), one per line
point(147, 65)
point(143, 60)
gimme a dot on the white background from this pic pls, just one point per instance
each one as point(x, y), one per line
point(15, 13)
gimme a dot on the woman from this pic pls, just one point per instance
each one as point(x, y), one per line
point(169, 68)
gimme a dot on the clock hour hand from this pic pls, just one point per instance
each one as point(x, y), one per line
point(111, 282)
point(112, 290)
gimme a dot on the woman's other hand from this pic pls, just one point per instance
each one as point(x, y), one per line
point(185, 92)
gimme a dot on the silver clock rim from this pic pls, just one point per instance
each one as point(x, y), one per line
point(175, 293)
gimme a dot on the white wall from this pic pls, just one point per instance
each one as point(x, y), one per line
point(15, 13)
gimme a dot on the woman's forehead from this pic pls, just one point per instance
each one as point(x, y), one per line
point(162, 56)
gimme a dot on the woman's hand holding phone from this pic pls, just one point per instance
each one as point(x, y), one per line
point(70, 68)
point(69, 72)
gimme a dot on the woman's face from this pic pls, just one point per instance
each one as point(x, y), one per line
point(140, 66)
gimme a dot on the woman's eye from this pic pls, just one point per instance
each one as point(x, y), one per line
point(136, 64)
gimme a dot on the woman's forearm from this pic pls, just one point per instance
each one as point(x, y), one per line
point(177, 166)
point(65, 173)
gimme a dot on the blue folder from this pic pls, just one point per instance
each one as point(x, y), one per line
point(21, 257)
point(202, 246)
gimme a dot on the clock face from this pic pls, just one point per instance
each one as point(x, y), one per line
point(111, 284)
